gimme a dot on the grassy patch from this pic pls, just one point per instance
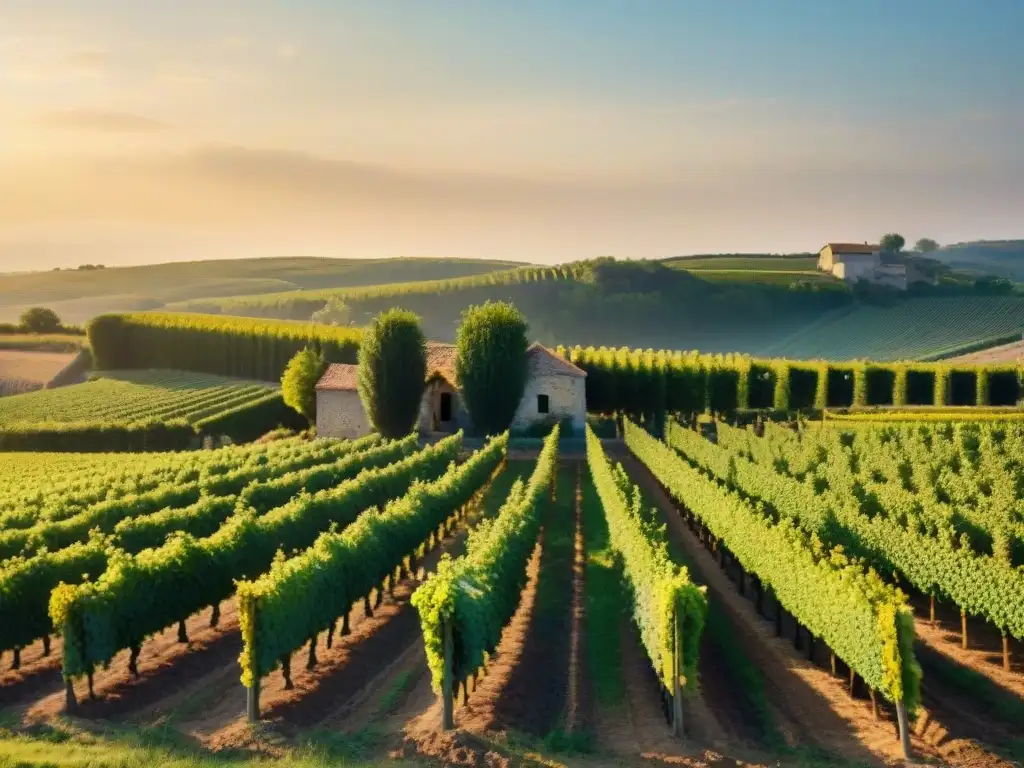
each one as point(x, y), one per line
point(389, 701)
point(64, 746)
point(44, 342)
point(606, 601)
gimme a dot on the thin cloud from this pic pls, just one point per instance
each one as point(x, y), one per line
point(88, 60)
point(101, 121)
point(287, 51)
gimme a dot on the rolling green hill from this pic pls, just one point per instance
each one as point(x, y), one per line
point(651, 304)
point(622, 303)
point(908, 329)
point(1004, 258)
point(77, 295)
point(761, 262)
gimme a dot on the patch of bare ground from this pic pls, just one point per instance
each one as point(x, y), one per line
point(37, 675)
point(169, 671)
point(578, 709)
point(984, 653)
point(810, 696)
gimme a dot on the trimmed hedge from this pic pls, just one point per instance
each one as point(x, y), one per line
point(226, 346)
point(841, 387)
point(879, 384)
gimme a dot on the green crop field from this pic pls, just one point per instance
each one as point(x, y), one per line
point(78, 295)
point(130, 396)
point(34, 468)
point(909, 329)
point(756, 263)
point(776, 277)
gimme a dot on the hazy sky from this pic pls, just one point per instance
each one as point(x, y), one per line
point(541, 130)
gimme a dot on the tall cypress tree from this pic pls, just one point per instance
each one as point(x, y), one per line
point(393, 372)
point(490, 364)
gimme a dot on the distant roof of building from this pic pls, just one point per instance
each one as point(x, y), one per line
point(860, 248)
point(339, 377)
point(344, 377)
point(441, 361)
point(546, 362)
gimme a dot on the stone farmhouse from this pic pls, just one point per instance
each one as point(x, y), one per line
point(555, 390)
point(851, 262)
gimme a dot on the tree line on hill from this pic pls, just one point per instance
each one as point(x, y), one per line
point(39, 320)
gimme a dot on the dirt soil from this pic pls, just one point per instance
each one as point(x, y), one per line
point(984, 653)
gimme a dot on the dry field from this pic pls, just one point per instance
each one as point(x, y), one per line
point(1005, 353)
point(23, 371)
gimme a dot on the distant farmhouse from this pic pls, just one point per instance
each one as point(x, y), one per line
point(851, 262)
point(555, 391)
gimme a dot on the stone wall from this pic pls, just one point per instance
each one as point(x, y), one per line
point(432, 401)
point(566, 399)
point(340, 414)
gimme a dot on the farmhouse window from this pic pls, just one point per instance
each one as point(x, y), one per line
point(543, 405)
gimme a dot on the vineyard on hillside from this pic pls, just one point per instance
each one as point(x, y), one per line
point(142, 410)
point(907, 330)
point(78, 295)
point(128, 396)
point(582, 302)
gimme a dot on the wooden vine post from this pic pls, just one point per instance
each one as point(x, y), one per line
point(252, 701)
point(447, 702)
point(901, 719)
point(677, 673)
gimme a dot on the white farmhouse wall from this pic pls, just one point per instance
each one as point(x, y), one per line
point(340, 414)
point(566, 399)
point(825, 262)
point(853, 269)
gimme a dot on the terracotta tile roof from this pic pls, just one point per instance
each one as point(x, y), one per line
point(343, 377)
point(851, 248)
point(339, 377)
point(441, 361)
point(545, 362)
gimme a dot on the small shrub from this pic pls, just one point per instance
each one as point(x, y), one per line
point(298, 385)
point(40, 320)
